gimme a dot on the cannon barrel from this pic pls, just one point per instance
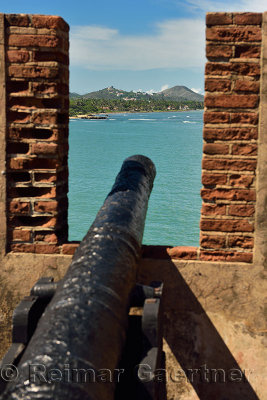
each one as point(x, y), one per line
point(76, 347)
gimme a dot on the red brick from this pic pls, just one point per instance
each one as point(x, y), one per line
point(183, 252)
point(45, 87)
point(17, 19)
point(238, 180)
point(46, 237)
point(17, 148)
point(45, 177)
point(244, 149)
point(217, 85)
point(209, 209)
point(49, 22)
point(21, 87)
point(245, 118)
point(24, 71)
point(215, 148)
point(214, 179)
point(50, 41)
point(250, 51)
point(247, 18)
point(19, 207)
point(45, 117)
point(18, 56)
point(44, 148)
point(218, 51)
point(241, 210)
point(23, 247)
point(22, 235)
point(226, 225)
point(219, 18)
point(228, 194)
point(46, 249)
point(247, 86)
point(231, 100)
point(69, 248)
point(234, 34)
point(230, 133)
point(216, 117)
point(226, 256)
point(46, 206)
point(229, 164)
point(228, 69)
point(212, 241)
point(245, 242)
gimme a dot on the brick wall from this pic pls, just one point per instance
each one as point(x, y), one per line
point(36, 75)
point(232, 84)
point(36, 126)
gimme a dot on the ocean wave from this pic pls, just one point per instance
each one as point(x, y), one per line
point(142, 119)
point(189, 122)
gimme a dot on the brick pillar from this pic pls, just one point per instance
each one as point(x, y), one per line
point(36, 75)
point(232, 85)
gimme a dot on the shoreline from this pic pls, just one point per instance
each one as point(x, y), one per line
point(134, 112)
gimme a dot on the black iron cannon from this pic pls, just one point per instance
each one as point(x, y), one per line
point(69, 337)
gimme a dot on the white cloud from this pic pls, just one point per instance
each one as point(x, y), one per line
point(164, 87)
point(196, 90)
point(176, 43)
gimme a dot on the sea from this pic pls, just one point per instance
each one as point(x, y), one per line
point(172, 140)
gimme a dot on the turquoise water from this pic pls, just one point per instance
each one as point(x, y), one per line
point(172, 140)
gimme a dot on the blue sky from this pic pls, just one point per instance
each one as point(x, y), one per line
point(134, 44)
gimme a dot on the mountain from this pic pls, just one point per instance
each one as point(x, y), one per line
point(176, 93)
point(179, 93)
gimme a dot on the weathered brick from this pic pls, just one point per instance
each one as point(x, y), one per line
point(211, 117)
point(234, 34)
point(241, 210)
point(17, 148)
point(45, 117)
point(50, 41)
point(223, 52)
point(19, 207)
point(217, 85)
point(46, 206)
point(231, 100)
point(247, 18)
point(209, 209)
point(32, 163)
point(244, 149)
point(245, 118)
point(238, 180)
point(69, 248)
point(230, 134)
point(212, 241)
point(215, 148)
point(45, 237)
point(229, 69)
point(22, 235)
point(44, 177)
point(226, 225)
point(26, 71)
point(183, 252)
point(247, 86)
point(214, 179)
point(18, 56)
point(46, 249)
point(225, 256)
point(50, 56)
point(18, 116)
point(21, 87)
point(219, 18)
point(17, 19)
point(23, 247)
point(229, 164)
point(247, 51)
point(49, 22)
point(44, 148)
point(213, 195)
point(245, 242)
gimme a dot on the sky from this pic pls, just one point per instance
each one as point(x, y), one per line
point(146, 45)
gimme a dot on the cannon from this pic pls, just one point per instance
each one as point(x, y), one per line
point(72, 339)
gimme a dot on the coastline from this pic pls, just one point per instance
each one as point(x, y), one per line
point(134, 112)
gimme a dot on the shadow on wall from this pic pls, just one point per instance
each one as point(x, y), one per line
point(198, 356)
